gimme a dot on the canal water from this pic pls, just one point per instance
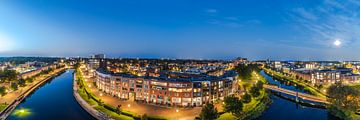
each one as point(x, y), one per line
point(282, 109)
point(52, 101)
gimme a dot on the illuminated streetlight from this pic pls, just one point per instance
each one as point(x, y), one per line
point(129, 105)
point(101, 94)
point(177, 110)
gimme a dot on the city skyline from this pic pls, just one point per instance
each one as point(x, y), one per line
point(279, 30)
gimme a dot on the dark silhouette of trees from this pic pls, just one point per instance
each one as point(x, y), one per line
point(2, 90)
point(233, 105)
point(209, 112)
point(246, 98)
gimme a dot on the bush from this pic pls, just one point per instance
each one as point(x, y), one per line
point(2, 90)
point(30, 80)
point(208, 112)
point(255, 91)
point(144, 117)
point(233, 105)
point(112, 114)
point(22, 83)
point(246, 98)
point(14, 86)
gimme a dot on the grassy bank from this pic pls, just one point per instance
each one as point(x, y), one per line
point(258, 105)
point(94, 101)
point(3, 106)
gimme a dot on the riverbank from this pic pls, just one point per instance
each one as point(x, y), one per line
point(259, 104)
point(15, 98)
point(87, 107)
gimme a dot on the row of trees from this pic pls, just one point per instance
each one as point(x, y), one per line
point(15, 83)
point(232, 104)
point(245, 71)
point(8, 75)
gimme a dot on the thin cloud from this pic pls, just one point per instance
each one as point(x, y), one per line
point(331, 21)
point(211, 11)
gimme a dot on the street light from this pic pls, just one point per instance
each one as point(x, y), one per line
point(177, 110)
point(129, 105)
point(101, 94)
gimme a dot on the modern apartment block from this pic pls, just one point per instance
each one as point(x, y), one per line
point(193, 91)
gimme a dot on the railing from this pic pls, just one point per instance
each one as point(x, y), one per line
point(297, 94)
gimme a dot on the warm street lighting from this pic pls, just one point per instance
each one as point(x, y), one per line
point(177, 110)
point(89, 86)
point(101, 94)
point(129, 105)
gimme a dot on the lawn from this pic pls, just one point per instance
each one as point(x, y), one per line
point(113, 114)
point(3, 106)
point(227, 116)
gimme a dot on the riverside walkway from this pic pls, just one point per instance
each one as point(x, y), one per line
point(297, 94)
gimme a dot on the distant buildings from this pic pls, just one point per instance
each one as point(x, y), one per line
point(98, 56)
point(320, 72)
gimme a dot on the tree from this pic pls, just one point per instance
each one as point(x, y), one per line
point(22, 82)
point(14, 86)
point(209, 112)
point(345, 97)
point(118, 109)
point(2, 90)
point(255, 91)
point(246, 98)
point(30, 80)
point(9, 75)
point(144, 117)
point(233, 105)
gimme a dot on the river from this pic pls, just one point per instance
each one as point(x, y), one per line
point(52, 101)
point(281, 109)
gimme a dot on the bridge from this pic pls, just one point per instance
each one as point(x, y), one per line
point(297, 94)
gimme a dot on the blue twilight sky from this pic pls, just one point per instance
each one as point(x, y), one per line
point(202, 29)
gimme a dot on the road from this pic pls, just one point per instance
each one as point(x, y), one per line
point(300, 95)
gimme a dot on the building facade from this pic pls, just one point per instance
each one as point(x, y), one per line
point(166, 91)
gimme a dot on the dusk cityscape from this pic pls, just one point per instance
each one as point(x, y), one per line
point(180, 60)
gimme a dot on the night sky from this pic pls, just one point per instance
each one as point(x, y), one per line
point(199, 29)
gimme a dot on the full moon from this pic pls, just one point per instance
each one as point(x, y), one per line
point(337, 43)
